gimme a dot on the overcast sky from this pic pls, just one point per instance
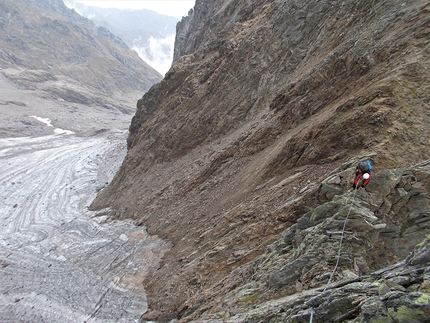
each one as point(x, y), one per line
point(175, 8)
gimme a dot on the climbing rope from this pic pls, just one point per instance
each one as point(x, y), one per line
point(338, 252)
point(341, 241)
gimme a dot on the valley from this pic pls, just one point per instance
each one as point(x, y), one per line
point(60, 262)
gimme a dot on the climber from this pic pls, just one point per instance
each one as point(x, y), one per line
point(364, 169)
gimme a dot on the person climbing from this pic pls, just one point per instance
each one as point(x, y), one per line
point(363, 169)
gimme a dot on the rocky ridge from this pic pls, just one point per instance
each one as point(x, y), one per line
point(264, 101)
point(377, 276)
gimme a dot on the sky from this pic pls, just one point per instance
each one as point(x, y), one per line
point(175, 8)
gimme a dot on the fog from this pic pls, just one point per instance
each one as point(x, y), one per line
point(159, 54)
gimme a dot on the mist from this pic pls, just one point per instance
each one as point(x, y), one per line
point(159, 53)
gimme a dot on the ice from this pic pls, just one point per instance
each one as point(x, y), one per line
point(58, 261)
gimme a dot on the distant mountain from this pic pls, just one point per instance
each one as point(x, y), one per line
point(43, 42)
point(150, 34)
point(63, 57)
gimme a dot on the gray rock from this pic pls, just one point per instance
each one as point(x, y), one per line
point(305, 256)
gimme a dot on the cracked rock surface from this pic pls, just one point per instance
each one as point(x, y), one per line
point(386, 220)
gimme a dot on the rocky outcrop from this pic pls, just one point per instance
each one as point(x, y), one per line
point(379, 226)
point(264, 101)
point(399, 293)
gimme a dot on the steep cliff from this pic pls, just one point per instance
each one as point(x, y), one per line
point(264, 101)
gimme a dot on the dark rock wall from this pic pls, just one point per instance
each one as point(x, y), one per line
point(264, 100)
point(238, 62)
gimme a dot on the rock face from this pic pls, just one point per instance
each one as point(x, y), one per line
point(48, 47)
point(266, 100)
point(385, 222)
point(398, 293)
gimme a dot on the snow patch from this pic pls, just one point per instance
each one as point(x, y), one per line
point(48, 123)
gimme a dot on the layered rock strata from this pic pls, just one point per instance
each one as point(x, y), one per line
point(265, 99)
point(376, 274)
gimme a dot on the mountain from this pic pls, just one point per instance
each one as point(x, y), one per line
point(150, 34)
point(129, 25)
point(229, 155)
point(52, 51)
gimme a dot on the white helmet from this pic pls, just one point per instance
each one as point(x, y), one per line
point(366, 176)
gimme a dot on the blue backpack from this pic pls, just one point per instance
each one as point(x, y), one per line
point(370, 165)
